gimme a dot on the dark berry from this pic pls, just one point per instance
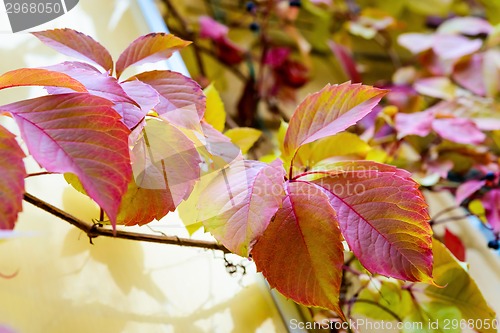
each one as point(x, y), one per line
point(254, 26)
point(250, 6)
point(490, 176)
point(295, 3)
point(494, 244)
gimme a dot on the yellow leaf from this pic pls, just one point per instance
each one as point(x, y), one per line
point(377, 155)
point(215, 113)
point(476, 207)
point(243, 137)
point(73, 180)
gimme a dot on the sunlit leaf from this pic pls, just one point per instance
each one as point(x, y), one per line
point(39, 77)
point(243, 137)
point(215, 113)
point(238, 204)
point(152, 47)
point(78, 45)
point(81, 134)
point(374, 202)
point(182, 101)
point(12, 179)
point(301, 252)
point(143, 95)
point(459, 289)
point(432, 318)
point(438, 87)
point(329, 111)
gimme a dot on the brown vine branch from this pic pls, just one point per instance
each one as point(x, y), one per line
point(94, 230)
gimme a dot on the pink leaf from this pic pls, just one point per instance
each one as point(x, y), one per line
point(454, 244)
point(277, 56)
point(415, 42)
point(329, 111)
point(465, 25)
point(238, 204)
point(144, 95)
point(469, 74)
point(487, 124)
point(374, 203)
point(419, 123)
point(467, 189)
point(152, 47)
point(455, 46)
point(182, 101)
point(459, 130)
point(344, 57)
point(301, 252)
point(75, 44)
point(39, 77)
point(12, 179)
point(222, 151)
point(491, 203)
point(165, 159)
point(211, 29)
point(81, 134)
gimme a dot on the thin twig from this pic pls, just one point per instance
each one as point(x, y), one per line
point(95, 230)
point(39, 174)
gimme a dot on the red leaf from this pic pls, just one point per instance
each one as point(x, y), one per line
point(12, 179)
point(239, 202)
point(152, 47)
point(459, 130)
point(182, 101)
point(374, 203)
point(301, 252)
point(329, 111)
point(75, 44)
point(39, 77)
point(344, 57)
point(81, 134)
point(454, 244)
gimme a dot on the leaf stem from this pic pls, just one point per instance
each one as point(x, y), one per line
point(386, 309)
point(95, 230)
point(39, 174)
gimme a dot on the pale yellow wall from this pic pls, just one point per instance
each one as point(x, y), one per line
point(64, 284)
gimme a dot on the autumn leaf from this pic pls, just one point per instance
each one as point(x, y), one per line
point(238, 204)
point(459, 289)
point(81, 134)
point(12, 180)
point(467, 189)
point(78, 45)
point(301, 252)
point(329, 111)
point(243, 137)
point(215, 113)
point(491, 204)
point(459, 130)
point(152, 47)
point(39, 77)
point(374, 202)
point(454, 244)
point(144, 96)
point(182, 101)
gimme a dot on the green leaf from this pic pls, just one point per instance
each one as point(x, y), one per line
point(460, 289)
point(215, 114)
point(243, 137)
